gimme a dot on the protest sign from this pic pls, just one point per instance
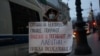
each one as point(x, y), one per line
point(50, 37)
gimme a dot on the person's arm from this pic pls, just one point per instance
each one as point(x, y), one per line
point(46, 17)
point(56, 17)
point(65, 21)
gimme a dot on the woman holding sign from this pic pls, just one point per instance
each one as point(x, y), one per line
point(53, 15)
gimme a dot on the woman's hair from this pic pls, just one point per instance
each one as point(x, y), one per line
point(51, 10)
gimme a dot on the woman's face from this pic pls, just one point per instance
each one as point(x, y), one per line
point(51, 15)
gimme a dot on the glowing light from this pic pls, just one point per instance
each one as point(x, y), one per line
point(74, 33)
point(94, 23)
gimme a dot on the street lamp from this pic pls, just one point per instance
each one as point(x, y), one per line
point(82, 47)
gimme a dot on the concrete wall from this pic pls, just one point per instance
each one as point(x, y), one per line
point(54, 3)
point(14, 50)
point(5, 14)
point(5, 18)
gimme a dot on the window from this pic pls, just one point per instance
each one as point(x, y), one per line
point(21, 16)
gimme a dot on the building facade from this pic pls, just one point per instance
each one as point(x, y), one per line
point(15, 15)
point(65, 11)
point(62, 8)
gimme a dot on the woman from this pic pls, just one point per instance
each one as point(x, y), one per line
point(51, 15)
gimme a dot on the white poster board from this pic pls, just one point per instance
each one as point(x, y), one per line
point(50, 37)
